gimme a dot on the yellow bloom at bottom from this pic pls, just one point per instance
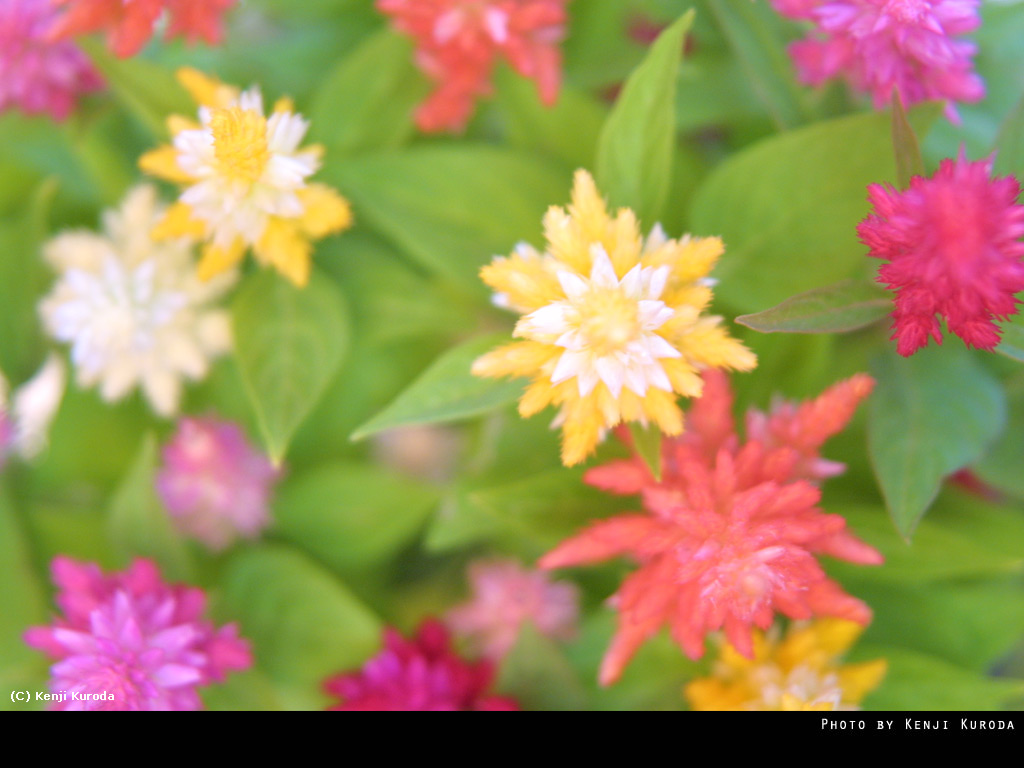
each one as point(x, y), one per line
point(800, 672)
point(245, 180)
point(612, 327)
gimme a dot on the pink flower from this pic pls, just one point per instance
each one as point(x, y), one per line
point(422, 674)
point(953, 247)
point(506, 596)
point(129, 641)
point(881, 45)
point(458, 42)
point(129, 23)
point(214, 484)
point(37, 75)
point(728, 537)
point(6, 437)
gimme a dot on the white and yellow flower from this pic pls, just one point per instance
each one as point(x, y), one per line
point(613, 326)
point(133, 310)
point(245, 182)
point(26, 414)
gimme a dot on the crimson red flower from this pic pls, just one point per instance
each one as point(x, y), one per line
point(729, 535)
point(422, 674)
point(953, 247)
point(129, 23)
point(458, 42)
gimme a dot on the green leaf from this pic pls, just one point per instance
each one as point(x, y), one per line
point(905, 145)
point(138, 524)
point(1010, 143)
point(1001, 466)
point(537, 674)
point(303, 623)
point(352, 516)
point(634, 154)
point(920, 682)
point(22, 604)
point(447, 391)
point(839, 308)
point(931, 414)
point(436, 205)
point(753, 33)
point(788, 206)
point(289, 343)
point(647, 442)
point(151, 92)
point(1012, 342)
point(367, 102)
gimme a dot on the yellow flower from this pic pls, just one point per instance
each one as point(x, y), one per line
point(244, 179)
point(799, 673)
point(612, 327)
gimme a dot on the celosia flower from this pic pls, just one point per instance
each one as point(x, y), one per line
point(459, 41)
point(884, 45)
point(133, 310)
point(613, 326)
point(37, 75)
point(728, 538)
point(141, 642)
point(505, 597)
point(25, 424)
point(422, 674)
point(215, 485)
point(800, 672)
point(953, 247)
point(245, 182)
point(129, 23)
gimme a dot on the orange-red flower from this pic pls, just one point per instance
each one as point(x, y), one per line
point(730, 535)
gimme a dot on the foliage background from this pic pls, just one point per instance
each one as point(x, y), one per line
point(725, 144)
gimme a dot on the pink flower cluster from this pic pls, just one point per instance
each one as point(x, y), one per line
point(38, 75)
point(215, 485)
point(505, 597)
point(953, 246)
point(129, 641)
point(884, 45)
point(422, 674)
point(731, 533)
point(458, 42)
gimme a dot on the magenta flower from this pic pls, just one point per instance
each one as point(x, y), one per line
point(506, 596)
point(214, 484)
point(38, 75)
point(129, 641)
point(422, 674)
point(953, 247)
point(881, 45)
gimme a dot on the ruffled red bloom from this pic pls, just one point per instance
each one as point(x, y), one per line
point(458, 42)
point(422, 674)
point(729, 535)
point(953, 243)
point(129, 23)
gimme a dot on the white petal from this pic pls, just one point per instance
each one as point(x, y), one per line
point(573, 285)
point(657, 377)
point(657, 346)
point(632, 282)
point(548, 320)
point(654, 314)
point(612, 373)
point(569, 364)
point(635, 380)
point(656, 282)
point(602, 273)
point(587, 380)
point(35, 405)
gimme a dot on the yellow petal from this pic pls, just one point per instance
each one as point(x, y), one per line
point(205, 90)
point(176, 124)
point(527, 280)
point(858, 680)
point(326, 212)
point(707, 343)
point(521, 358)
point(216, 260)
point(707, 694)
point(163, 163)
point(284, 104)
point(285, 248)
point(178, 222)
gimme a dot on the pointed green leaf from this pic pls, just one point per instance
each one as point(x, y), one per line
point(647, 442)
point(537, 674)
point(905, 145)
point(931, 414)
point(839, 308)
point(1010, 143)
point(634, 154)
point(367, 101)
point(289, 343)
point(138, 524)
point(447, 391)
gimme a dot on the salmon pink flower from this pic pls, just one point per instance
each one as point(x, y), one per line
point(422, 674)
point(130, 641)
point(129, 23)
point(459, 41)
point(505, 597)
point(953, 247)
point(728, 537)
point(911, 46)
point(215, 485)
point(37, 74)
